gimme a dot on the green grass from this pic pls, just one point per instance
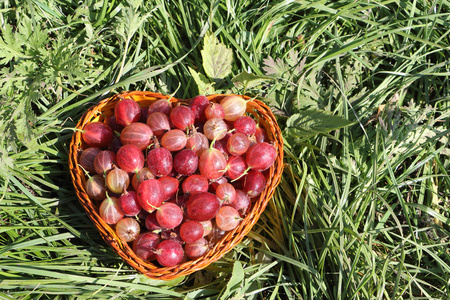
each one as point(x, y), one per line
point(361, 212)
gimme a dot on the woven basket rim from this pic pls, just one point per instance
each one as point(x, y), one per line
point(231, 238)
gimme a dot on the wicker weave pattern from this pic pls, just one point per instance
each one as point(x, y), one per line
point(232, 238)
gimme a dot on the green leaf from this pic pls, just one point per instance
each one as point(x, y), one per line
point(275, 67)
point(142, 279)
point(247, 80)
point(217, 58)
point(32, 35)
point(237, 277)
point(10, 46)
point(6, 163)
point(312, 122)
point(135, 3)
point(204, 86)
point(89, 30)
point(130, 22)
point(6, 297)
point(432, 212)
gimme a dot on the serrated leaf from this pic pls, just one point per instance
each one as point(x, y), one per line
point(294, 61)
point(312, 122)
point(135, 3)
point(305, 101)
point(293, 58)
point(25, 133)
point(217, 58)
point(10, 46)
point(130, 22)
point(272, 67)
point(21, 124)
point(247, 80)
point(203, 84)
point(32, 35)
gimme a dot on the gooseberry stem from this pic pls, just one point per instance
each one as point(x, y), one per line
point(243, 174)
point(85, 172)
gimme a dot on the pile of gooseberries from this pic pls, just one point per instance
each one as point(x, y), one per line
point(172, 179)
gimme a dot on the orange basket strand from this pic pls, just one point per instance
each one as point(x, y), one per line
point(105, 108)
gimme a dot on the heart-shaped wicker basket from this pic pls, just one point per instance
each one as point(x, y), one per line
point(105, 108)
